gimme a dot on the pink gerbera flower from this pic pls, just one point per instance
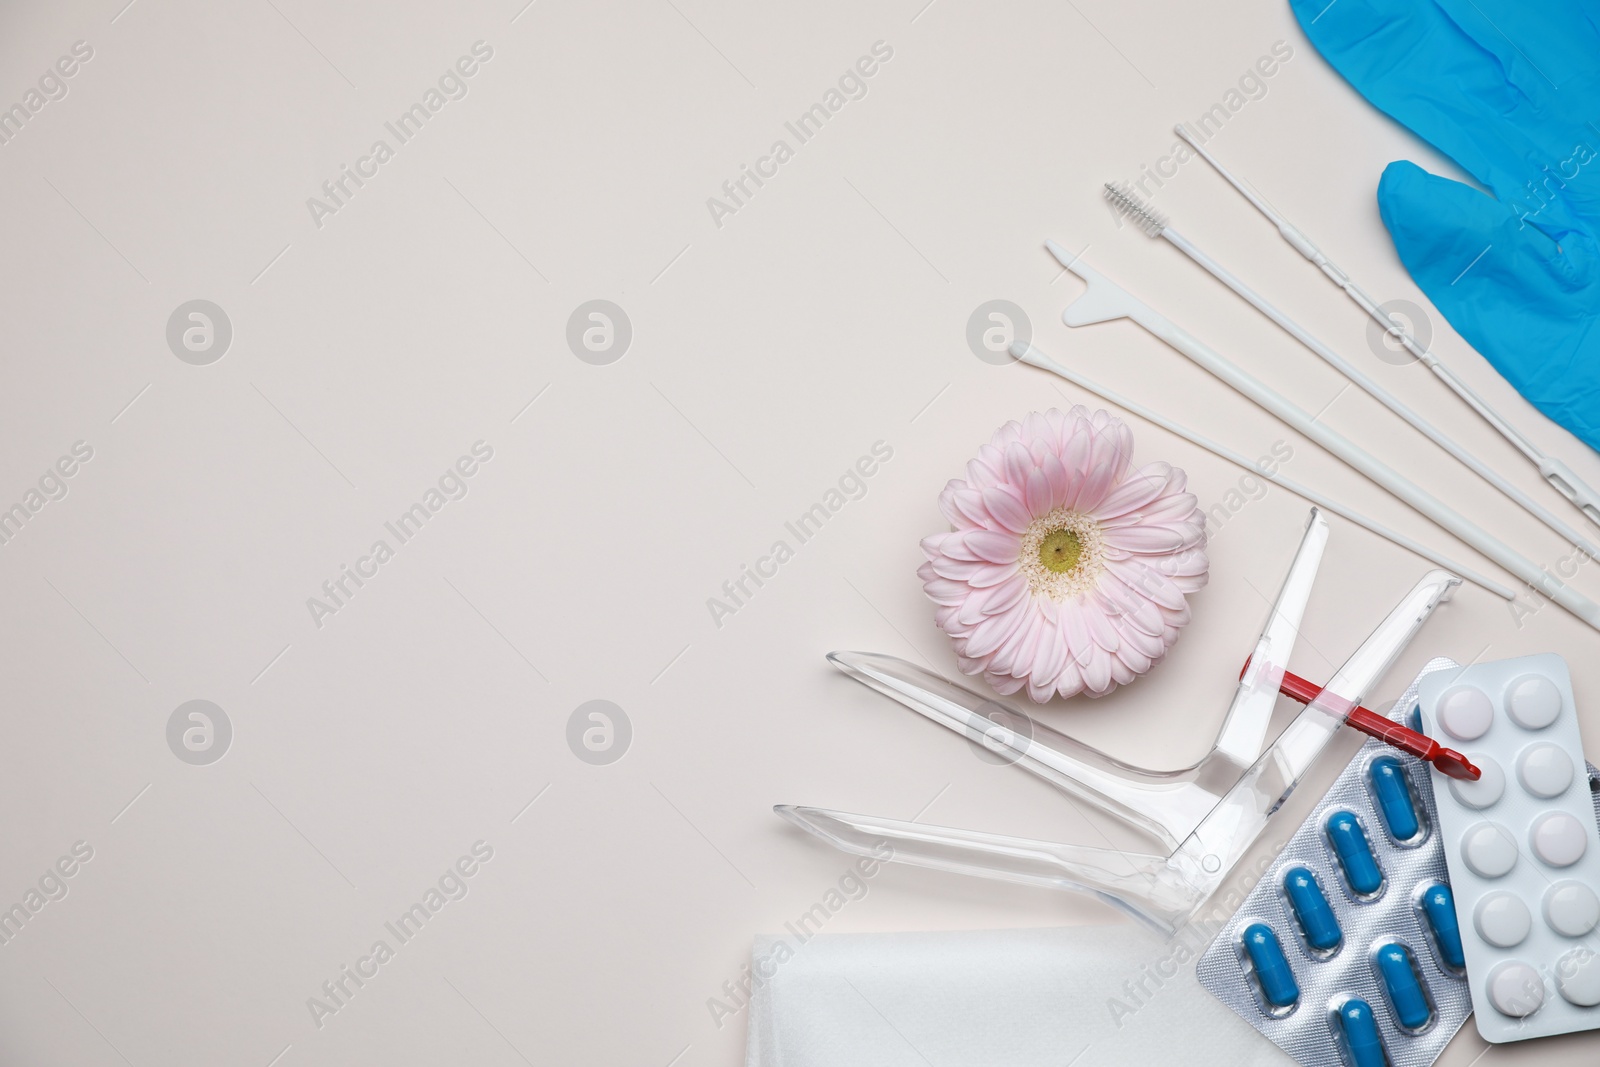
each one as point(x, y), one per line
point(1066, 571)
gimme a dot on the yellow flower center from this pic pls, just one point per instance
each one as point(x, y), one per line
point(1063, 555)
point(1060, 551)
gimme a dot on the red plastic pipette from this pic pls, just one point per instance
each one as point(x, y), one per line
point(1448, 760)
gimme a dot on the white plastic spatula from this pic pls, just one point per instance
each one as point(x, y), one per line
point(1105, 301)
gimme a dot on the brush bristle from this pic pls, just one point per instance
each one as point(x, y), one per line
point(1136, 211)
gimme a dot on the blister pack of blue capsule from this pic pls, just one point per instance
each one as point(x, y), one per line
point(1348, 952)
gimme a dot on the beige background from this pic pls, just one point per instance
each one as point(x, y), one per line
point(767, 355)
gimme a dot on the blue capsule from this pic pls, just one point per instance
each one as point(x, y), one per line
point(1395, 803)
point(1272, 970)
point(1361, 1035)
point(1414, 719)
point(1311, 909)
point(1350, 844)
point(1399, 973)
point(1439, 907)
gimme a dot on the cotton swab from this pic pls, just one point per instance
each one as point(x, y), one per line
point(1557, 473)
point(1030, 355)
point(1154, 224)
point(1106, 300)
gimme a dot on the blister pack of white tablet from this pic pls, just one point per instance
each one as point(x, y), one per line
point(1521, 844)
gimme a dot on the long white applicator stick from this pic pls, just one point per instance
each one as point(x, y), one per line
point(1105, 300)
point(1027, 353)
point(1154, 224)
point(1557, 473)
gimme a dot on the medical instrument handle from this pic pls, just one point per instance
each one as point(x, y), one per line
point(1105, 300)
point(1027, 353)
point(1569, 485)
point(1377, 391)
point(1153, 889)
point(1232, 827)
point(1560, 477)
point(1164, 892)
point(1168, 805)
point(1245, 728)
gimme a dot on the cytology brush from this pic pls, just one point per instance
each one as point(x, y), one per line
point(1105, 300)
point(1027, 353)
point(1557, 473)
point(1154, 224)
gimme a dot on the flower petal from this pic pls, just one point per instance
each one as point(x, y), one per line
point(1036, 492)
point(1146, 538)
point(1075, 631)
point(1009, 592)
point(957, 569)
point(947, 502)
point(1190, 563)
point(1121, 673)
point(1136, 640)
point(1006, 435)
point(968, 666)
point(1075, 457)
point(986, 468)
point(1100, 629)
point(1138, 489)
point(1103, 471)
point(1016, 652)
point(1019, 464)
point(941, 590)
point(990, 574)
point(1005, 504)
point(1169, 510)
point(1050, 654)
point(969, 504)
point(970, 611)
point(988, 634)
point(1150, 583)
point(1097, 673)
point(1003, 684)
point(1122, 444)
point(1128, 605)
point(1136, 661)
point(950, 545)
point(1055, 474)
point(1070, 681)
point(992, 546)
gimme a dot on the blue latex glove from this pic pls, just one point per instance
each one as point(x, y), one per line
point(1509, 90)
